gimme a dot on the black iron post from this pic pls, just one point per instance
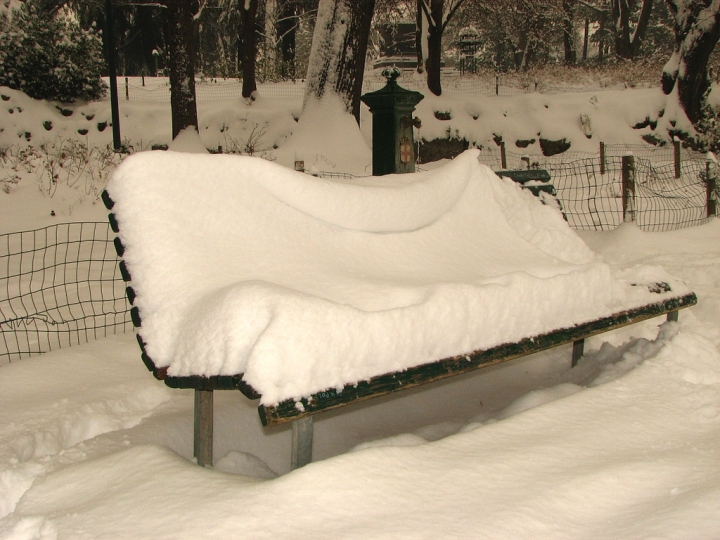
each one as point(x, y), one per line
point(393, 146)
point(110, 39)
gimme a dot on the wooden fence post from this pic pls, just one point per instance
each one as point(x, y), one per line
point(676, 152)
point(602, 157)
point(711, 184)
point(503, 157)
point(628, 188)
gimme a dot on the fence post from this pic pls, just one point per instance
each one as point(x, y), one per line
point(497, 85)
point(602, 157)
point(628, 188)
point(676, 148)
point(711, 184)
point(127, 90)
point(503, 158)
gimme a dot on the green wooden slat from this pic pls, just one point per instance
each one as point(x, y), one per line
point(291, 409)
point(522, 176)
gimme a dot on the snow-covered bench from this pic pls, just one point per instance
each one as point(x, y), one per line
point(310, 294)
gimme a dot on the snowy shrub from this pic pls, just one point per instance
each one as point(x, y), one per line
point(49, 57)
point(708, 131)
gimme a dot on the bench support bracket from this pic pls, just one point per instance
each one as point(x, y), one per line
point(203, 433)
point(302, 440)
point(578, 350)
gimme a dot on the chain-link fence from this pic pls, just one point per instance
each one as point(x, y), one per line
point(59, 286)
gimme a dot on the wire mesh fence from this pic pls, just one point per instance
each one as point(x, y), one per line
point(157, 89)
point(671, 190)
point(59, 286)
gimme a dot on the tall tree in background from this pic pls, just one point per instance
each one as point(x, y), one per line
point(627, 39)
point(697, 30)
point(433, 18)
point(287, 29)
point(248, 14)
point(337, 58)
point(569, 31)
point(182, 64)
point(519, 36)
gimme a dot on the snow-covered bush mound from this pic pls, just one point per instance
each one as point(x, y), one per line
point(304, 283)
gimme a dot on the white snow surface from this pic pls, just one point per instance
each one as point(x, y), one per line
point(304, 284)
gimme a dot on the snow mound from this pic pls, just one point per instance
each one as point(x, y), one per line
point(304, 284)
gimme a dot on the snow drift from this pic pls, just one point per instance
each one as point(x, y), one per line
point(304, 283)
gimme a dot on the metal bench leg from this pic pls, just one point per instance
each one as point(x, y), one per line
point(203, 441)
point(672, 315)
point(302, 439)
point(578, 350)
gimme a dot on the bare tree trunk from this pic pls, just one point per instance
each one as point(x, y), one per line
point(287, 26)
point(248, 13)
point(621, 19)
point(435, 15)
point(337, 58)
point(697, 31)
point(433, 63)
point(627, 43)
point(569, 32)
point(271, 38)
point(419, 33)
point(641, 28)
point(182, 65)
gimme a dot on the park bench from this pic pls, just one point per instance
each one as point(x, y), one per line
point(536, 180)
point(300, 409)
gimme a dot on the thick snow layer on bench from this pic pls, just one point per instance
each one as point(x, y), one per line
point(304, 283)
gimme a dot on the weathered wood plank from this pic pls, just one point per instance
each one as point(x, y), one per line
point(291, 409)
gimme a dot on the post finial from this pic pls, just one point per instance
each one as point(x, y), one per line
point(391, 73)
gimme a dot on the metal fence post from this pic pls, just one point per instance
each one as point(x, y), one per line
point(676, 152)
point(602, 157)
point(711, 184)
point(628, 188)
point(203, 427)
point(503, 157)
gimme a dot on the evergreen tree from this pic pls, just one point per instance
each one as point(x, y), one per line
point(48, 56)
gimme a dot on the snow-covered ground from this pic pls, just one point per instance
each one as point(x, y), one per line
point(625, 445)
